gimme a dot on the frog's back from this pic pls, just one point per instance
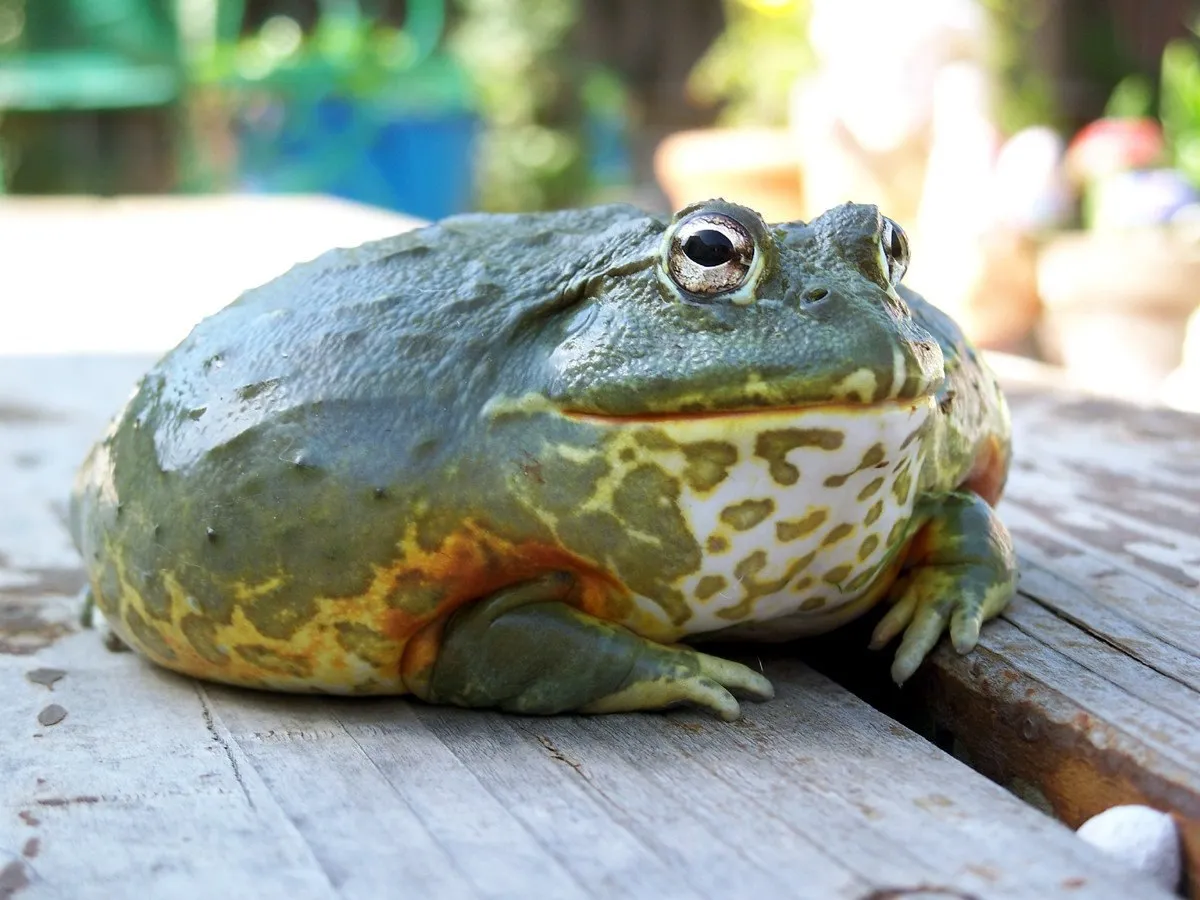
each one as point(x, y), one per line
point(380, 339)
point(235, 518)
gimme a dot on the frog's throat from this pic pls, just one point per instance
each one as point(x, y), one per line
point(796, 513)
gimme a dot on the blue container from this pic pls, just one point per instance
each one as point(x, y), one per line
point(413, 161)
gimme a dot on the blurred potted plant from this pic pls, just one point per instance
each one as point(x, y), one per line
point(750, 70)
point(531, 152)
point(356, 107)
point(553, 127)
point(1118, 293)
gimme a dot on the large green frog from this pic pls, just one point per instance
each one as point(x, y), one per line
point(526, 462)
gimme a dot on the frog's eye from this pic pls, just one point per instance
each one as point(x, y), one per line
point(709, 254)
point(893, 247)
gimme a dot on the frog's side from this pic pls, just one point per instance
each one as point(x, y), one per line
point(510, 461)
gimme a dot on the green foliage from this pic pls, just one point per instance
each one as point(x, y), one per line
point(12, 24)
point(529, 86)
point(1025, 94)
point(347, 53)
point(1179, 106)
point(511, 61)
point(752, 66)
point(1132, 98)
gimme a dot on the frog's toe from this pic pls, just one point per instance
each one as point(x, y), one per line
point(962, 572)
point(896, 619)
point(113, 642)
point(957, 596)
point(740, 680)
point(926, 620)
point(665, 677)
point(87, 620)
point(965, 624)
point(697, 690)
point(87, 611)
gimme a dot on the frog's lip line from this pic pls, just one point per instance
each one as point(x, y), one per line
point(798, 409)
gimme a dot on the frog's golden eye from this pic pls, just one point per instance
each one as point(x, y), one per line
point(710, 253)
point(893, 247)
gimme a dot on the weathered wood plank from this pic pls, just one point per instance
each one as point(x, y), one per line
point(1087, 693)
point(660, 798)
point(537, 786)
point(153, 784)
point(430, 825)
point(132, 791)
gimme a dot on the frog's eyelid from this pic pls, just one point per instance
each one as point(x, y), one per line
point(893, 270)
point(881, 257)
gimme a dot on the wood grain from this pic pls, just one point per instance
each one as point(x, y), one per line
point(1087, 693)
point(155, 785)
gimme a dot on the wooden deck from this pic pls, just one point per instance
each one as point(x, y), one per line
point(120, 779)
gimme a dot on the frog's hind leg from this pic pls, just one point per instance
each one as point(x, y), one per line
point(961, 570)
point(524, 649)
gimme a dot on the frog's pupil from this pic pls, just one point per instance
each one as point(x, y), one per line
point(895, 242)
point(709, 248)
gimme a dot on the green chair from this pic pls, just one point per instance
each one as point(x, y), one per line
point(92, 55)
point(372, 113)
point(76, 61)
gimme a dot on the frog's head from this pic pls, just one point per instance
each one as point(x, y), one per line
point(716, 311)
point(746, 406)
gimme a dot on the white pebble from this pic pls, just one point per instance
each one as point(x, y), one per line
point(1141, 837)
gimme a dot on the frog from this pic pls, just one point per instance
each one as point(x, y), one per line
point(542, 462)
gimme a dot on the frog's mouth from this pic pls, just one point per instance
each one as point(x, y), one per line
point(790, 411)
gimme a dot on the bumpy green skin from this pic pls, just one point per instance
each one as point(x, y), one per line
point(282, 500)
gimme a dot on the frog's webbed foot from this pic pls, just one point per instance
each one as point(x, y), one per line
point(525, 650)
point(961, 570)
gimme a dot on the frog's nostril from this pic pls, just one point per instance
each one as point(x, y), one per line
point(815, 295)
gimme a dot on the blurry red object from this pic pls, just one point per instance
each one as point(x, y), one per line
point(1114, 145)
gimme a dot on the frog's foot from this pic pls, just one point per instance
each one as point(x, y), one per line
point(961, 570)
point(87, 614)
point(113, 643)
point(525, 650)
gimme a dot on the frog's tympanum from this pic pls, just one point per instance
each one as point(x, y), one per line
point(527, 462)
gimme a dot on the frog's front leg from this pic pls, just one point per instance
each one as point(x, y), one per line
point(525, 649)
point(960, 569)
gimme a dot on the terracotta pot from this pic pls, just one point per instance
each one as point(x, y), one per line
point(1116, 305)
point(757, 168)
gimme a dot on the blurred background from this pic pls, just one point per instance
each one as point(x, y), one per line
point(1044, 155)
